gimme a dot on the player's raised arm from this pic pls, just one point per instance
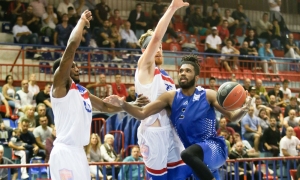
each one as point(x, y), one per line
point(154, 107)
point(147, 60)
point(62, 74)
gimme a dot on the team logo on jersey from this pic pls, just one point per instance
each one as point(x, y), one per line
point(169, 87)
point(87, 106)
point(82, 90)
point(145, 151)
point(65, 174)
point(185, 103)
point(196, 97)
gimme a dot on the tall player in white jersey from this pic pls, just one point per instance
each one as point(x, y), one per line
point(72, 108)
point(159, 143)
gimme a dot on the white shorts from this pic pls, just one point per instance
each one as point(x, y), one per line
point(68, 163)
point(159, 146)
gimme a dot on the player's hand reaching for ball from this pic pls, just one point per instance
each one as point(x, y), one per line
point(86, 16)
point(247, 104)
point(141, 100)
point(115, 100)
point(178, 4)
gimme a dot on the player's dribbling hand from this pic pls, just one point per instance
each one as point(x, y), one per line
point(178, 4)
point(86, 16)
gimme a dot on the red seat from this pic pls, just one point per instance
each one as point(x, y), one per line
point(248, 74)
point(183, 37)
point(175, 47)
point(201, 48)
point(215, 72)
point(193, 39)
point(278, 53)
point(293, 173)
point(166, 46)
point(210, 62)
point(179, 26)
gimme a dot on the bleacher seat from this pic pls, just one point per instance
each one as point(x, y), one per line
point(126, 70)
point(57, 54)
point(47, 56)
point(175, 47)
point(134, 139)
point(77, 57)
point(45, 67)
point(97, 57)
point(84, 68)
point(128, 130)
point(36, 171)
point(113, 69)
point(179, 26)
point(46, 40)
point(99, 68)
point(248, 74)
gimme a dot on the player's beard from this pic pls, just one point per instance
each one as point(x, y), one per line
point(158, 61)
point(77, 81)
point(187, 84)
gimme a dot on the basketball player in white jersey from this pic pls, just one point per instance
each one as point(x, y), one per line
point(160, 145)
point(72, 108)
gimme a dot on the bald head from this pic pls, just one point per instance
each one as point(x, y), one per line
point(258, 83)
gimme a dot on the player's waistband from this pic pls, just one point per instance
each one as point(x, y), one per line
point(73, 147)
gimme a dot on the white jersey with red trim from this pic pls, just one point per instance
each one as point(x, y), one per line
point(161, 83)
point(72, 116)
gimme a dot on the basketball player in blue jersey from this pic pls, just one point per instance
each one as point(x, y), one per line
point(72, 108)
point(158, 140)
point(193, 116)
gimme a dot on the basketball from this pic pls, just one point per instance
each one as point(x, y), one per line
point(231, 96)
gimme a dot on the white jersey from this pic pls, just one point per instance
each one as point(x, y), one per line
point(161, 83)
point(72, 116)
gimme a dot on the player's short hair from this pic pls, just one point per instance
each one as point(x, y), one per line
point(192, 60)
point(56, 64)
point(145, 39)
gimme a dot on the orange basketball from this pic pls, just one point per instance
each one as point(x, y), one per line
point(231, 96)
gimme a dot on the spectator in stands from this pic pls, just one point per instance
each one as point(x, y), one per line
point(106, 40)
point(4, 171)
point(7, 108)
point(247, 53)
point(224, 133)
point(271, 138)
point(223, 127)
point(224, 32)
point(264, 27)
point(28, 116)
point(101, 88)
point(267, 57)
point(213, 20)
point(261, 91)
point(247, 84)
point(22, 34)
point(212, 83)
point(252, 40)
point(278, 95)
point(276, 32)
point(49, 144)
point(15, 9)
point(196, 24)
point(44, 97)
point(275, 13)
point(276, 110)
point(292, 105)
point(32, 86)
point(93, 154)
point(109, 154)
point(131, 94)
point(289, 144)
point(239, 152)
point(251, 129)
point(213, 42)
point(24, 98)
point(49, 21)
point(62, 8)
point(128, 35)
point(86, 38)
point(133, 172)
point(291, 49)
point(188, 11)
point(232, 23)
point(116, 19)
point(31, 21)
point(62, 32)
point(170, 30)
point(252, 94)
point(242, 18)
point(38, 7)
point(73, 17)
point(287, 93)
point(27, 137)
point(9, 91)
point(41, 112)
point(90, 4)
point(102, 11)
point(247, 147)
point(291, 120)
point(137, 20)
point(42, 132)
point(115, 35)
point(264, 119)
point(230, 50)
point(157, 10)
point(80, 7)
point(119, 88)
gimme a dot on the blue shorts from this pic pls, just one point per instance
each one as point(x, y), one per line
point(215, 153)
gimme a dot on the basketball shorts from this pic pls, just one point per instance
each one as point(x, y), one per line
point(161, 148)
point(68, 163)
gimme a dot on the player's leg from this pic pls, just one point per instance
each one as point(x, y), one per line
point(154, 151)
point(69, 163)
point(177, 169)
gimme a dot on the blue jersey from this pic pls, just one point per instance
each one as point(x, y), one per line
point(193, 117)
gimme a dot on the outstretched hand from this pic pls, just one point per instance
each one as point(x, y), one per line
point(178, 4)
point(141, 100)
point(114, 100)
point(86, 16)
point(247, 104)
